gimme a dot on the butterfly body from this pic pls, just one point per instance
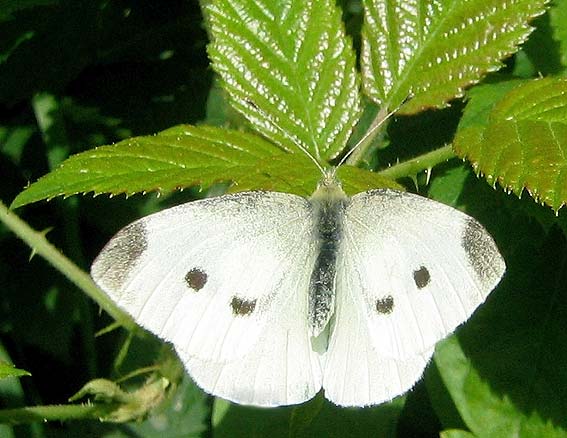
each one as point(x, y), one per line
point(269, 297)
point(328, 205)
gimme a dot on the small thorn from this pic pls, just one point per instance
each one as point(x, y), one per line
point(414, 179)
point(428, 173)
point(43, 233)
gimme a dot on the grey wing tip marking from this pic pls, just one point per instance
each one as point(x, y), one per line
point(483, 254)
point(110, 269)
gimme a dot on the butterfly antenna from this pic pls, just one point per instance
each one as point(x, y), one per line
point(382, 116)
point(286, 135)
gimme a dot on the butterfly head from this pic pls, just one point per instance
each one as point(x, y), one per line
point(329, 187)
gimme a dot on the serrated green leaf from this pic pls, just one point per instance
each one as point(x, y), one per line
point(289, 69)
point(185, 156)
point(179, 157)
point(521, 143)
point(430, 50)
point(293, 173)
point(7, 370)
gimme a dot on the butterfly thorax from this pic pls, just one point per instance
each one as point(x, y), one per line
point(328, 204)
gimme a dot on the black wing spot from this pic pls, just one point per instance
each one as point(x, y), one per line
point(385, 305)
point(421, 277)
point(242, 307)
point(196, 279)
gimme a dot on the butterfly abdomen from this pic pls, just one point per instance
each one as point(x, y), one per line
point(328, 205)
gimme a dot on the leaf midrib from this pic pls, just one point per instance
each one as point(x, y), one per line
point(410, 66)
point(294, 68)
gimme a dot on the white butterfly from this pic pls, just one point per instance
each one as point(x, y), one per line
point(269, 297)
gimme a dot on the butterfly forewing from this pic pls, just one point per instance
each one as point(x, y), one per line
point(210, 275)
point(423, 268)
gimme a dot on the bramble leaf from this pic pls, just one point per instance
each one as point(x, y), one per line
point(289, 69)
point(179, 157)
point(429, 51)
point(186, 156)
point(519, 140)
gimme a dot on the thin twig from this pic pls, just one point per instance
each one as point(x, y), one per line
point(40, 245)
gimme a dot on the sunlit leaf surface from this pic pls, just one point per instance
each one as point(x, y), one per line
point(521, 142)
point(289, 69)
point(428, 51)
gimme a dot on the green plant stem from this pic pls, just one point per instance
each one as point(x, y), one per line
point(51, 123)
point(34, 414)
point(40, 245)
point(364, 143)
point(412, 167)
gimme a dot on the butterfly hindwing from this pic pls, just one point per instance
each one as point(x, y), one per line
point(282, 368)
point(210, 275)
point(355, 373)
